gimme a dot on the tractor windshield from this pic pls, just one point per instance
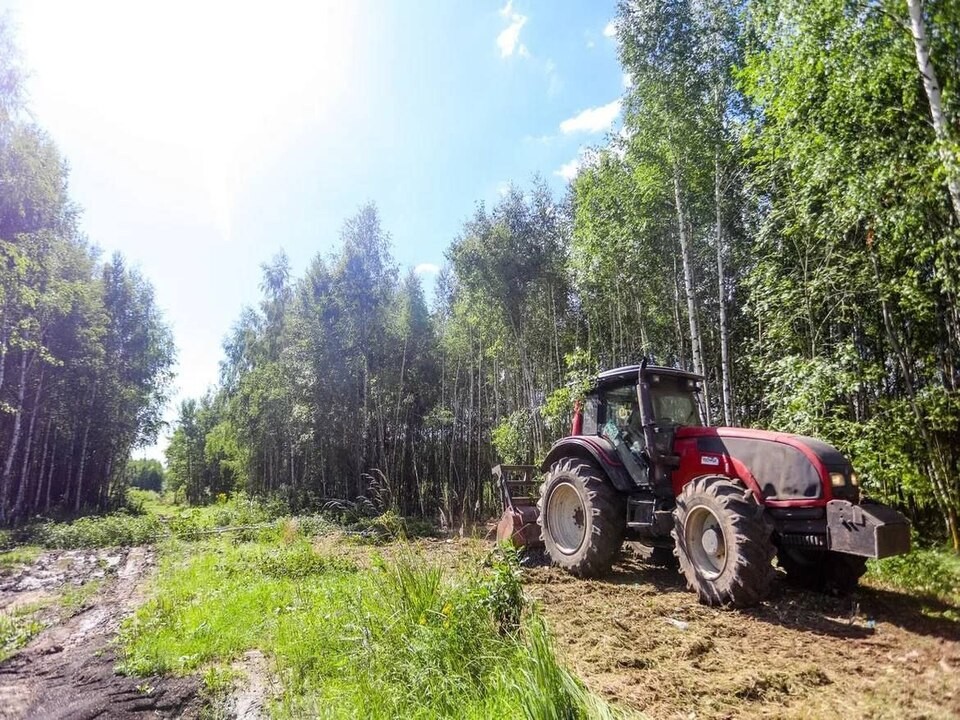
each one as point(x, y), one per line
point(674, 402)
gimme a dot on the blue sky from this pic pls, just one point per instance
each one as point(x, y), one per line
point(204, 137)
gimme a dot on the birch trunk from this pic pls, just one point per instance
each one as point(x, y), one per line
point(941, 127)
point(14, 439)
point(83, 463)
point(727, 389)
point(28, 451)
point(43, 466)
point(690, 291)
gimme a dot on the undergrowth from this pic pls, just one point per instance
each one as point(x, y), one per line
point(353, 636)
point(924, 571)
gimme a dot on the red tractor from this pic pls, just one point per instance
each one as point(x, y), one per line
point(640, 465)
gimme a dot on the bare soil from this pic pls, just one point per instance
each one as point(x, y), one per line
point(67, 671)
point(642, 641)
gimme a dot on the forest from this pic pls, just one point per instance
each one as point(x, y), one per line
point(779, 211)
point(85, 357)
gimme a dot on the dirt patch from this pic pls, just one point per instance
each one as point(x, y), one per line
point(256, 688)
point(68, 670)
point(641, 640)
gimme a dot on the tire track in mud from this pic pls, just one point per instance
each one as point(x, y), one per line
point(68, 670)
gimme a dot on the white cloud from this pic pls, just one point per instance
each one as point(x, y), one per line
point(426, 269)
point(627, 80)
point(592, 120)
point(610, 29)
point(509, 39)
point(568, 171)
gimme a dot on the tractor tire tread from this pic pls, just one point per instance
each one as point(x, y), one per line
point(607, 508)
point(748, 580)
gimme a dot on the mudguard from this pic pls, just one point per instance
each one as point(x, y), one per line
point(598, 450)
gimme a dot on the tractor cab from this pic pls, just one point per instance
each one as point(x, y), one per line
point(637, 410)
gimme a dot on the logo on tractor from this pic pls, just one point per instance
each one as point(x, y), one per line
point(709, 460)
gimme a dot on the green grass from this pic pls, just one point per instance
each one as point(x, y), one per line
point(385, 639)
point(933, 572)
point(23, 555)
point(17, 628)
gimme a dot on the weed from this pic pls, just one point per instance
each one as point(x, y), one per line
point(927, 571)
point(17, 629)
point(219, 679)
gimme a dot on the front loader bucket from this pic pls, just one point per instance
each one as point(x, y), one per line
point(519, 489)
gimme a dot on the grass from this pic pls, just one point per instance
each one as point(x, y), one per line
point(23, 555)
point(17, 628)
point(934, 572)
point(148, 518)
point(354, 635)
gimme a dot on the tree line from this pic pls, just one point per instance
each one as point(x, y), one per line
point(779, 212)
point(84, 355)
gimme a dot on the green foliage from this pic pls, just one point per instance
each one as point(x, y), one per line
point(112, 530)
point(16, 630)
point(512, 437)
point(925, 571)
point(146, 474)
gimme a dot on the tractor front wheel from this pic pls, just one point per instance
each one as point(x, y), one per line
point(723, 542)
point(820, 570)
point(582, 518)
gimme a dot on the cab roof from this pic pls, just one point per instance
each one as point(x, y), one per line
point(620, 375)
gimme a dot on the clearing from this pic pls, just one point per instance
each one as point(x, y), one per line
point(637, 639)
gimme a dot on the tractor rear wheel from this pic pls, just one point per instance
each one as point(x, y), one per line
point(723, 542)
point(582, 518)
point(821, 570)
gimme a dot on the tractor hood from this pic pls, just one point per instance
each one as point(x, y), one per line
point(784, 466)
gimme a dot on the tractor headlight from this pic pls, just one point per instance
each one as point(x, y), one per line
point(837, 479)
point(854, 480)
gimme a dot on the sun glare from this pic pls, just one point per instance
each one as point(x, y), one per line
point(224, 85)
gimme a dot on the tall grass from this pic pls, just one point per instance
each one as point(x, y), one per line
point(383, 639)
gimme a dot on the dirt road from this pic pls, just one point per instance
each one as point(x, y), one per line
point(67, 671)
point(641, 640)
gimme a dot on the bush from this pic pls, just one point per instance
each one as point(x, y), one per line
point(119, 528)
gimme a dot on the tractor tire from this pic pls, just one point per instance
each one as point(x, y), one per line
point(723, 542)
point(821, 570)
point(583, 518)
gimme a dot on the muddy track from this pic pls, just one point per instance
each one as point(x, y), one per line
point(68, 670)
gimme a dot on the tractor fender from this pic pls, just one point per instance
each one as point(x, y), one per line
point(594, 449)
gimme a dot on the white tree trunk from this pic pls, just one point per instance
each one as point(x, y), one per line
point(728, 418)
point(941, 125)
point(695, 344)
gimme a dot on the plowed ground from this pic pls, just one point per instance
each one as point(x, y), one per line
point(799, 655)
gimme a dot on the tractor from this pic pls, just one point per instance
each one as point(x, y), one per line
point(721, 502)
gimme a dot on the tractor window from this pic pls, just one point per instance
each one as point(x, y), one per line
point(620, 416)
point(673, 405)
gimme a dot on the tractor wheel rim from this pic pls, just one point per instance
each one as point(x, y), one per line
point(705, 541)
point(566, 518)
